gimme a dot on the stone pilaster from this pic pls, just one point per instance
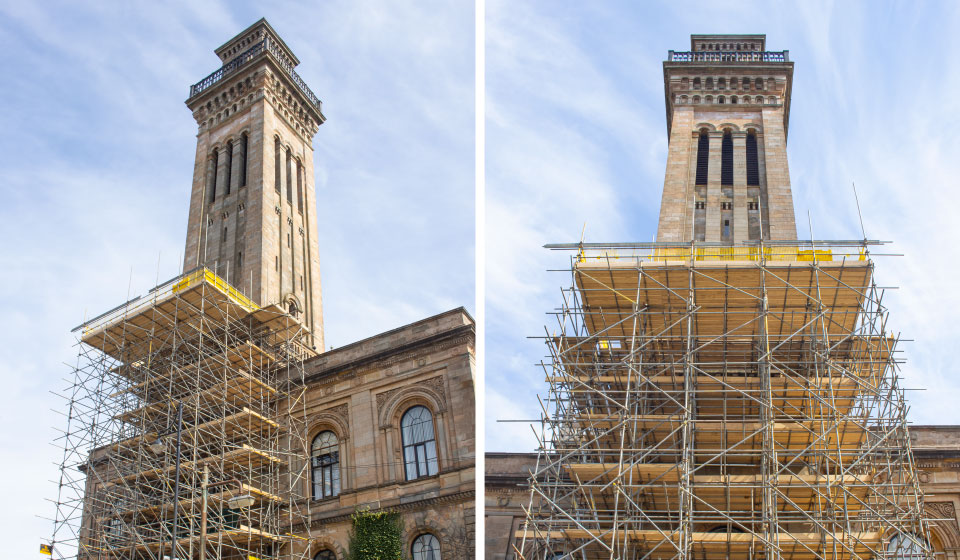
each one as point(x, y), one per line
point(741, 227)
point(779, 195)
point(714, 227)
point(676, 203)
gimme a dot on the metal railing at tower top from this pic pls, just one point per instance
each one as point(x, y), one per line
point(266, 45)
point(728, 56)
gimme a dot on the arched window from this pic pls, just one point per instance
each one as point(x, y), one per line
point(746, 84)
point(726, 159)
point(299, 187)
point(212, 187)
point(721, 83)
point(753, 166)
point(325, 462)
point(758, 84)
point(709, 83)
point(229, 154)
point(759, 99)
point(721, 99)
point(289, 177)
point(419, 443)
point(425, 547)
point(696, 83)
point(703, 157)
point(733, 83)
point(708, 99)
point(325, 554)
point(276, 164)
point(244, 140)
point(696, 99)
point(906, 547)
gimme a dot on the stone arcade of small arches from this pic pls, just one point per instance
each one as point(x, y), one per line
point(700, 85)
point(724, 99)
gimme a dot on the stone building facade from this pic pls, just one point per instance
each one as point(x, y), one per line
point(936, 450)
point(252, 216)
point(361, 393)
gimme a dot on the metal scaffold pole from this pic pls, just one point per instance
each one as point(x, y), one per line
point(185, 436)
point(713, 402)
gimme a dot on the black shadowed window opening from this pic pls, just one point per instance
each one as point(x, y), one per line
point(229, 166)
point(212, 188)
point(703, 158)
point(753, 166)
point(726, 159)
point(244, 140)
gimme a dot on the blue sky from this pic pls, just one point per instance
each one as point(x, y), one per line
point(97, 153)
point(96, 159)
point(576, 134)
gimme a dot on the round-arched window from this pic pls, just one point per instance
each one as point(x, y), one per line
point(425, 547)
point(325, 554)
point(906, 547)
point(419, 443)
point(325, 465)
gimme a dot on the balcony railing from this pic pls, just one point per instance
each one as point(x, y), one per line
point(731, 56)
point(248, 55)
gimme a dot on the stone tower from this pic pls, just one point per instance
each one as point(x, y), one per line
point(253, 206)
point(728, 107)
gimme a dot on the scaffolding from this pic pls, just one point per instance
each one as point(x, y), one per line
point(710, 401)
point(185, 433)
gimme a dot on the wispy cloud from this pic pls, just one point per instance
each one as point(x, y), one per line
point(576, 134)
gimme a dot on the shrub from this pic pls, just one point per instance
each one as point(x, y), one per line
point(376, 536)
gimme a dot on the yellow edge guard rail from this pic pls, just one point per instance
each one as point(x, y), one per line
point(207, 275)
point(794, 254)
point(171, 287)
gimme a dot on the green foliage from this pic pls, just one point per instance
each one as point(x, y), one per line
point(376, 536)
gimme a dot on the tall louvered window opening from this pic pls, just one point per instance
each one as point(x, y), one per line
point(703, 158)
point(753, 167)
point(726, 160)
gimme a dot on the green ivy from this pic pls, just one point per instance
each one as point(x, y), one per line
point(376, 536)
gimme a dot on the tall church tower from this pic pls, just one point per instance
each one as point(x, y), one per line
point(729, 392)
point(253, 206)
point(728, 107)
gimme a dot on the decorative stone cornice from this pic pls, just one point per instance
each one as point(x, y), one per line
point(460, 497)
point(415, 350)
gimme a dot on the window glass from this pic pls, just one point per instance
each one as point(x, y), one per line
point(419, 443)
point(325, 465)
point(906, 547)
point(425, 547)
